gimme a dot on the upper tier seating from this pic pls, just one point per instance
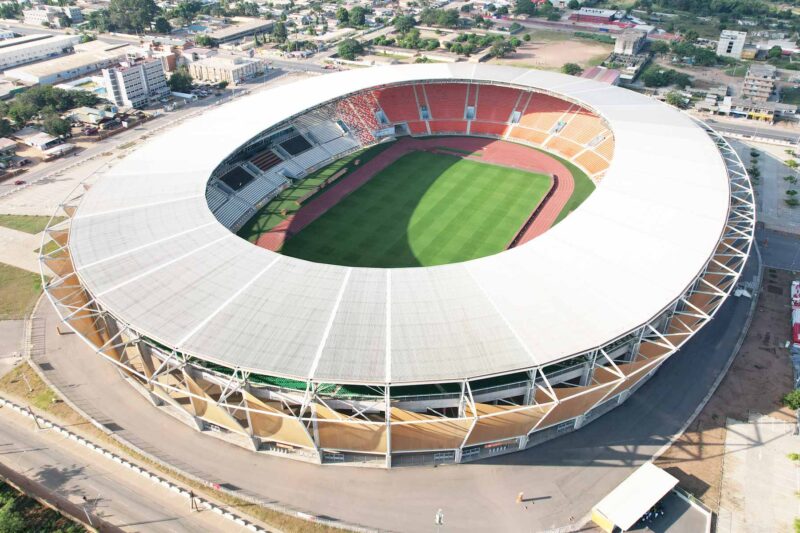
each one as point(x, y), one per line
point(321, 130)
point(606, 148)
point(487, 128)
point(582, 127)
point(543, 112)
point(448, 126)
point(232, 212)
point(446, 100)
point(399, 103)
point(262, 189)
point(495, 104)
point(591, 162)
point(358, 112)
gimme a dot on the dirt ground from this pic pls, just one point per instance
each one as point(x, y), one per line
point(758, 378)
point(546, 54)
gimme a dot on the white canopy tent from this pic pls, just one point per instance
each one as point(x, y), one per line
point(627, 503)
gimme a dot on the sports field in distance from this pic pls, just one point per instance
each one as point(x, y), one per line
point(424, 209)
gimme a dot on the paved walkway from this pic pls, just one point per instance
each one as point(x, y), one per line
point(121, 497)
point(569, 474)
point(19, 249)
point(760, 483)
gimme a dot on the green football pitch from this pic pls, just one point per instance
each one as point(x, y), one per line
point(424, 209)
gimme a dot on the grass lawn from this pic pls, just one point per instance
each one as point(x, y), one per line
point(286, 204)
point(425, 209)
point(32, 224)
point(19, 290)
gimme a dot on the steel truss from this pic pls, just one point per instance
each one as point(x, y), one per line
point(317, 425)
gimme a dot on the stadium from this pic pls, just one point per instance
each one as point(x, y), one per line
point(407, 265)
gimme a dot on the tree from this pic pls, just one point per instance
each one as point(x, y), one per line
point(132, 16)
point(524, 7)
point(279, 33)
point(223, 84)
point(342, 16)
point(573, 69)
point(349, 49)
point(162, 25)
point(55, 125)
point(791, 163)
point(775, 52)
point(358, 16)
point(404, 23)
point(180, 81)
point(204, 40)
point(574, 4)
point(690, 36)
point(526, 37)
point(99, 20)
point(501, 48)
point(674, 98)
point(659, 47)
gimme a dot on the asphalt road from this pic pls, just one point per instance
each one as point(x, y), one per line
point(566, 476)
point(112, 492)
point(779, 250)
point(755, 131)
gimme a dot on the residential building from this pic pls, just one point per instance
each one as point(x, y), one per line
point(28, 48)
point(43, 15)
point(756, 110)
point(36, 139)
point(8, 149)
point(731, 43)
point(74, 14)
point(759, 82)
point(136, 84)
point(630, 42)
point(224, 67)
point(88, 57)
point(241, 27)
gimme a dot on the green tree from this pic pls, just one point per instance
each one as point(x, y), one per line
point(775, 52)
point(526, 37)
point(349, 49)
point(404, 23)
point(132, 16)
point(162, 25)
point(204, 40)
point(342, 16)
point(524, 7)
point(180, 81)
point(573, 69)
point(674, 98)
point(279, 33)
point(574, 4)
point(55, 125)
point(358, 16)
point(791, 163)
point(659, 47)
point(501, 48)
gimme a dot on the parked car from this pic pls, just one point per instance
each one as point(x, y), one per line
point(19, 182)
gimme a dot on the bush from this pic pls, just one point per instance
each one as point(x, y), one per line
point(792, 399)
point(573, 69)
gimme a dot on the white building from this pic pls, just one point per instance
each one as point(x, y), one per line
point(88, 57)
point(224, 67)
point(44, 15)
point(731, 43)
point(25, 49)
point(137, 84)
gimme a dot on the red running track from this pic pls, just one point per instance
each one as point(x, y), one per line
point(492, 151)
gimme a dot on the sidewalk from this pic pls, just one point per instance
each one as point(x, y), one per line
point(19, 249)
point(118, 495)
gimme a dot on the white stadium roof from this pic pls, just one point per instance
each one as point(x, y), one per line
point(147, 247)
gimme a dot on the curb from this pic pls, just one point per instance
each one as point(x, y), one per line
point(308, 517)
point(155, 478)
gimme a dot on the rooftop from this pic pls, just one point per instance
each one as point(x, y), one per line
point(621, 259)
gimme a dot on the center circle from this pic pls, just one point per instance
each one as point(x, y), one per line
point(413, 175)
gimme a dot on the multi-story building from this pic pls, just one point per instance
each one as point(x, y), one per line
point(28, 48)
point(241, 27)
point(225, 67)
point(54, 16)
point(731, 43)
point(593, 15)
point(629, 42)
point(759, 82)
point(88, 57)
point(136, 84)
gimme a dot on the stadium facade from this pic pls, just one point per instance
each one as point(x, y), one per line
point(387, 367)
